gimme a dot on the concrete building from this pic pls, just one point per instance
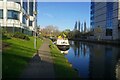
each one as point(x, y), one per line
point(18, 15)
point(105, 20)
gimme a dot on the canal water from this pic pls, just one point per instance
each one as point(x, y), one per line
point(94, 60)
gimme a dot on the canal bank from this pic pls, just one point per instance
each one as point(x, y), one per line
point(63, 69)
point(104, 42)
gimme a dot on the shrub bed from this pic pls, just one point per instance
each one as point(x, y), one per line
point(21, 36)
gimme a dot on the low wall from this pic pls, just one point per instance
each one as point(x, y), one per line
point(106, 42)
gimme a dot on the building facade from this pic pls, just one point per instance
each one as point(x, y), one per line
point(18, 15)
point(105, 20)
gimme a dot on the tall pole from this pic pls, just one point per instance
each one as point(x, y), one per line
point(35, 39)
point(35, 33)
point(35, 25)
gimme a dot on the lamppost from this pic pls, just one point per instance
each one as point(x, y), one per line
point(35, 31)
point(34, 34)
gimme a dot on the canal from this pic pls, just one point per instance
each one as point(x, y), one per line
point(94, 60)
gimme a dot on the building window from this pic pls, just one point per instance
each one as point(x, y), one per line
point(109, 15)
point(92, 14)
point(13, 14)
point(36, 6)
point(25, 5)
point(30, 23)
point(108, 32)
point(24, 19)
point(1, 13)
point(31, 8)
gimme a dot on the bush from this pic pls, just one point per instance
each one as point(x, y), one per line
point(5, 37)
point(21, 36)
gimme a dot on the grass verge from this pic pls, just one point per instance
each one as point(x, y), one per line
point(63, 69)
point(16, 54)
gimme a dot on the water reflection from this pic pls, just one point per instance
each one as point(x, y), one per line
point(93, 61)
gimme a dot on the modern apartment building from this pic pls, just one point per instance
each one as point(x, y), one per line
point(105, 20)
point(18, 15)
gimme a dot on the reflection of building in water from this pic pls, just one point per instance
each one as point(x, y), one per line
point(96, 58)
point(102, 61)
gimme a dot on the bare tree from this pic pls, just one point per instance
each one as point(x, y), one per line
point(50, 31)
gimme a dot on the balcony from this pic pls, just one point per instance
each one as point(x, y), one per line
point(13, 6)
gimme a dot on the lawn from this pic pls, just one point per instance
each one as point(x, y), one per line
point(63, 69)
point(16, 55)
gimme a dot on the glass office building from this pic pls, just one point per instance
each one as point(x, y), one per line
point(105, 20)
point(18, 14)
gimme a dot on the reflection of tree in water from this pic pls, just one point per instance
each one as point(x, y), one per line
point(79, 48)
point(72, 44)
point(84, 49)
point(75, 51)
point(76, 48)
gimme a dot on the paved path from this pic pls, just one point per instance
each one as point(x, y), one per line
point(41, 65)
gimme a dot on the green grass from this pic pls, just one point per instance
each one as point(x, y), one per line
point(63, 68)
point(16, 55)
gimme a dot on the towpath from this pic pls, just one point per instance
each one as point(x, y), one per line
point(41, 65)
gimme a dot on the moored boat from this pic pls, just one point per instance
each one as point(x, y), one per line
point(63, 44)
